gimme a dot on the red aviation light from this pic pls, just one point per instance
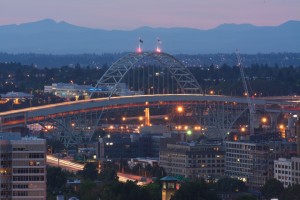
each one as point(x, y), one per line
point(139, 50)
point(158, 50)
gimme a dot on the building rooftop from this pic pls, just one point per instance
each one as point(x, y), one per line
point(10, 136)
point(14, 95)
point(169, 178)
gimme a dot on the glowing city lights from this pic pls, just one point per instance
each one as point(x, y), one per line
point(180, 109)
point(264, 120)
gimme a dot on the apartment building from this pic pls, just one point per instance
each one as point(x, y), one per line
point(22, 168)
point(193, 160)
point(287, 171)
point(248, 161)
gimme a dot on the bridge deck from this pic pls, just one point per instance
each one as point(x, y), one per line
point(102, 102)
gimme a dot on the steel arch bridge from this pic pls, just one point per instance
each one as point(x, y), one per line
point(118, 70)
point(73, 122)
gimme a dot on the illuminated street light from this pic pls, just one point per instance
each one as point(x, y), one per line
point(211, 92)
point(281, 126)
point(243, 129)
point(180, 109)
point(264, 120)
point(166, 118)
point(123, 119)
point(141, 118)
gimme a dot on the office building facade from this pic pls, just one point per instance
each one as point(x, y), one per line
point(193, 160)
point(22, 168)
point(287, 171)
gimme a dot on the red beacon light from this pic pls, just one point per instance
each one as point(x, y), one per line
point(158, 45)
point(139, 50)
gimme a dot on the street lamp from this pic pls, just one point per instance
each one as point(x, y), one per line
point(180, 109)
point(264, 120)
point(243, 129)
point(281, 126)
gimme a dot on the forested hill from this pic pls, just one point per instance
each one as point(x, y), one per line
point(199, 60)
point(225, 79)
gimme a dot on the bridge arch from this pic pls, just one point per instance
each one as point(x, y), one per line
point(118, 70)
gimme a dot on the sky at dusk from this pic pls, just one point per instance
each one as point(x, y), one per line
point(131, 14)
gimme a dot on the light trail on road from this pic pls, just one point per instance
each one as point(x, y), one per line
point(74, 167)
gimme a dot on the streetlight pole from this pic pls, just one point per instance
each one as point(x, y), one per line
point(180, 110)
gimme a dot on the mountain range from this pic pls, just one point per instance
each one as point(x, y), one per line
point(51, 37)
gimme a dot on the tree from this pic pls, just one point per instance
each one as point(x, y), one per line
point(247, 197)
point(231, 185)
point(108, 175)
point(291, 193)
point(89, 190)
point(153, 190)
point(56, 178)
point(195, 190)
point(272, 188)
point(124, 191)
point(56, 181)
point(89, 171)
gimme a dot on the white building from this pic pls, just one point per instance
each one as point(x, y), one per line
point(16, 95)
point(287, 171)
point(68, 90)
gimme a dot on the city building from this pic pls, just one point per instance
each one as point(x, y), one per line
point(68, 90)
point(283, 171)
point(253, 161)
point(193, 159)
point(287, 170)
point(118, 146)
point(22, 168)
point(248, 161)
point(16, 95)
point(143, 161)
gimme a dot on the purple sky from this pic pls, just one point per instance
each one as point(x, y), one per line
point(131, 14)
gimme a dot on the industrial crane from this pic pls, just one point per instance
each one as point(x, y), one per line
point(250, 104)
